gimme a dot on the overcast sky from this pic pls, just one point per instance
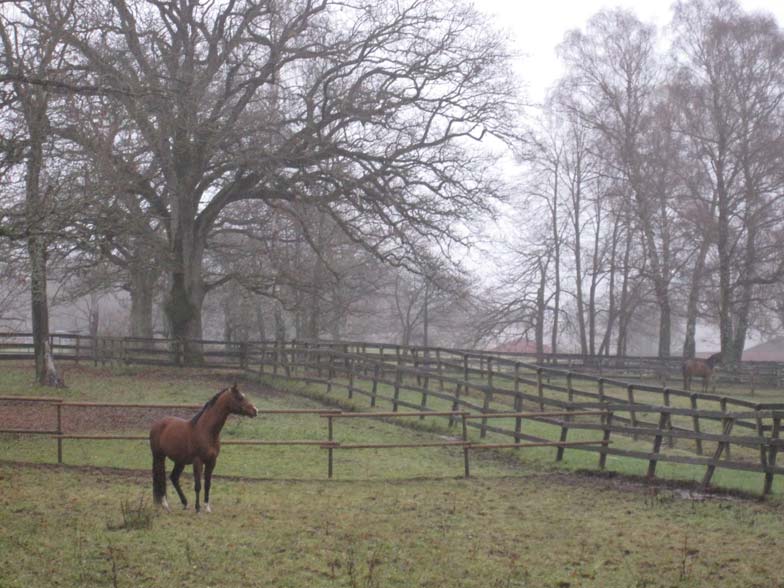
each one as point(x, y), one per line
point(538, 27)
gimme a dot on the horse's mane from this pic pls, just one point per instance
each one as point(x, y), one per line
point(204, 408)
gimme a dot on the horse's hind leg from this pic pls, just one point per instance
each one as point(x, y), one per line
point(175, 480)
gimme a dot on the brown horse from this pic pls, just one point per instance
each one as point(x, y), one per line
point(196, 442)
point(700, 367)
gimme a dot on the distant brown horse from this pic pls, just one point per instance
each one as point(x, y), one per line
point(701, 368)
point(196, 442)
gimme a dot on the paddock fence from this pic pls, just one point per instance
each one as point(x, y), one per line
point(493, 395)
point(328, 443)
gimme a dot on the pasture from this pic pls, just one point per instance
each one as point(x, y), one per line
point(389, 518)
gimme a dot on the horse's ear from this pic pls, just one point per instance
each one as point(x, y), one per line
point(234, 387)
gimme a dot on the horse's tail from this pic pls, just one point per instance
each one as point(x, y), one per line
point(158, 468)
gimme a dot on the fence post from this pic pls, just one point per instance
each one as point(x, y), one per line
point(602, 398)
point(396, 394)
point(78, 345)
point(761, 434)
point(485, 409)
point(373, 391)
point(723, 405)
point(465, 367)
point(564, 432)
point(466, 468)
point(569, 389)
point(727, 423)
point(540, 387)
point(329, 450)
point(350, 365)
point(59, 432)
point(518, 402)
point(632, 411)
point(696, 420)
point(440, 370)
point(664, 416)
point(772, 453)
point(330, 370)
point(670, 438)
point(607, 421)
point(423, 404)
point(455, 404)
point(490, 372)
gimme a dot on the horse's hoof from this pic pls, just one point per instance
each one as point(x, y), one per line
point(207, 507)
point(165, 504)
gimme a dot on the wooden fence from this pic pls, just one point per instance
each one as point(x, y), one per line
point(161, 351)
point(496, 394)
point(330, 444)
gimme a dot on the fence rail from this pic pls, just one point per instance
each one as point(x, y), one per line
point(329, 443)
point(216, 353)
point(494, 394)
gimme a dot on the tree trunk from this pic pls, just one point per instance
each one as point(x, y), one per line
point(726, 333)
point(260, 322)
point(665, 326)
point(541, 306)
point(695, 288)
point(604, 347)
point(595, 268)
point(742, 310)
point(183, 308)
point(623, 310)
point(576, 212)
point(142, 297)
point(36, 207)
point(280, 323)
point(557, 262)
point(39, 306)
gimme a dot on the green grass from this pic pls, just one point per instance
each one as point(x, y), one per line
point(57, 529)
point(136, 385)
point(574, 459)
point(390, 518)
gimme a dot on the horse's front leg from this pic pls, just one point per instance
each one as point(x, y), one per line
point(209, 465)
point(197, 468)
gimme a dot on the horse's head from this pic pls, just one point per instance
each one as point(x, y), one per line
point(715, 359)
point(239, 404)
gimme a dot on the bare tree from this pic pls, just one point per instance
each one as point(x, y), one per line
point(35, 51)
point(264, 101)
point(611, 83)
point(732, 75)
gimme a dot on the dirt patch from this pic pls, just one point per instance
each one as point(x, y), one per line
point(36, 416)
point(39, 416)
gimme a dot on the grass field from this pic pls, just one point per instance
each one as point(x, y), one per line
point(391, 518)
